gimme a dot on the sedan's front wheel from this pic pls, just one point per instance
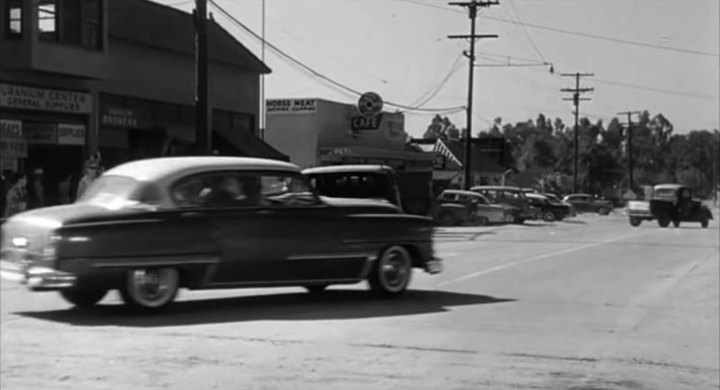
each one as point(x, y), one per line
point(151, 288)
point(392, 272)
point(83, 298)
point(549, 216)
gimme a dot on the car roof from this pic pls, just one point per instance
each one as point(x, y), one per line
point(461, 192)
point(496, 188)
point(577, 195)
point(157, 168)
point(535, 195)
point(668, 186)
point(353, 168)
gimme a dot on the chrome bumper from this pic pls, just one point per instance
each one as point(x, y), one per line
point(434, 266)
point(36, 278)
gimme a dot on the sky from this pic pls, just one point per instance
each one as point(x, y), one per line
point(655, 55)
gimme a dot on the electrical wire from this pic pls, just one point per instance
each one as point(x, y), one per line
point(424, 99)
point(313, 71)
point(527, 33)
point(575, 33)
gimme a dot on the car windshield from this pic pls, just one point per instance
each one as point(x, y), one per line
point(112, 190)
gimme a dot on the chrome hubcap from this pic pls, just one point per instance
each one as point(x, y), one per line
point(151, 285)
point(394, 271)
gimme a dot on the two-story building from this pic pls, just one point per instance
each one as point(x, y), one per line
point(118, 77)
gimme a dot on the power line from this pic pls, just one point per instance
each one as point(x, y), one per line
point(426, 98)
point(527, 33)
point(578, 33)
point(313, 71)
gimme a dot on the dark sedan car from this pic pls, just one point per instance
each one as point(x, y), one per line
point(549, 211)
point(150, 227)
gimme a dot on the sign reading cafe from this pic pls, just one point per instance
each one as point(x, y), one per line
point(42, 99)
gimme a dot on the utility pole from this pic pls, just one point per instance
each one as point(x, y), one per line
point(629, 146)
point(203, 141)
point(472, 7)
point(576, 101)
point(263, 117)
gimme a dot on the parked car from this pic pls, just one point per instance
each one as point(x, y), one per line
point(455, 207)
point(585, 203)
point(674, 203)
point(556, 199)
point(638, 211)
point(375, 182)
point(511, 196)
point(549, 211)
point(150, 227)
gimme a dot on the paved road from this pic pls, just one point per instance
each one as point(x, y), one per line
point(586, 304)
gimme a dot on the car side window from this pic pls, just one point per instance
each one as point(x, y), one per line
point(286, 190)
point(216, 190)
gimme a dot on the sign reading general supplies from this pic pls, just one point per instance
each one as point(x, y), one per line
point(291, 106)
point(41, 99)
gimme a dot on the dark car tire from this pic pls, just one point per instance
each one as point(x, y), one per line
point(317, 289)
point(83, 298)
point(447, 219)
point(603, 211)
point(391, 272)
point(549, 216)
point(635, 221)
point(704, 222)
point(663, 221)
point(676, 222)
point(519, 221)
point(482, 221)
point(136, 295)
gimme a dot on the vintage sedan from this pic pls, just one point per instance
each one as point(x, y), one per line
point(458, 207)
point(150, 227)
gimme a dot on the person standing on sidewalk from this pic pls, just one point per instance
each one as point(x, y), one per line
point(92, 171)
point(16, 201)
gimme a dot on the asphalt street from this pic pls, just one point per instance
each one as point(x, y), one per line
point(588, 303)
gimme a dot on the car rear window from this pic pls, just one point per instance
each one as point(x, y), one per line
point(352, 185)
point(112, 187)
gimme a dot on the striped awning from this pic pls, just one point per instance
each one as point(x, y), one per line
point(442, 149)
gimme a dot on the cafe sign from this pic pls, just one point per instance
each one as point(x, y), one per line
point(12, 142)
point(42, 99)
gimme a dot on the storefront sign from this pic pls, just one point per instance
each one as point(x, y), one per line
point(370, 104)
point(9, 164)
point(124, 117)
point(12, 143)
point(440, 161)
point(40, 133)
point(69, 134)
point(291, 106)
point(359, 122)
point(41, 99)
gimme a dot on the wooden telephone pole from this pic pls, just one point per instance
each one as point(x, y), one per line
point(203, 139)
point(629, 130)
point(472, 7)
point(576, 101)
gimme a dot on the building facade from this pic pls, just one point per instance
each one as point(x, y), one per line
point(118, 77)
point(314, 132)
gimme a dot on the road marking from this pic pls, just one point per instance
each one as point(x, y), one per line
point(540, 257)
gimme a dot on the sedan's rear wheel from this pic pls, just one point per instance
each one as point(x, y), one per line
point(635, 221)
point(392, 272)
point(603, 211)
point(549, 216)
point(482, 221)
point(447, 219)
point(664, 221)
point(704, 222)
point(83, 298)
point(151, 288)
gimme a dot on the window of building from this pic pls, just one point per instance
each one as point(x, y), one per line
point(92, 29)
point(13, 18)
point(47, 20)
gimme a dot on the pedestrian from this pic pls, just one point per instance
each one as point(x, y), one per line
point(92, 171)
point(36, 190)
point(16, 200)
point(6, 181)
point(64, 190)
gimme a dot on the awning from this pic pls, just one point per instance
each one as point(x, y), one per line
point(249, 145)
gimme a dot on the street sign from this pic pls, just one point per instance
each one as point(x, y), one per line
point(370, 104)
point(365, 123)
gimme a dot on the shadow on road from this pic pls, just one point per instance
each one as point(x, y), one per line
point(331, 305)
point(575, 222)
